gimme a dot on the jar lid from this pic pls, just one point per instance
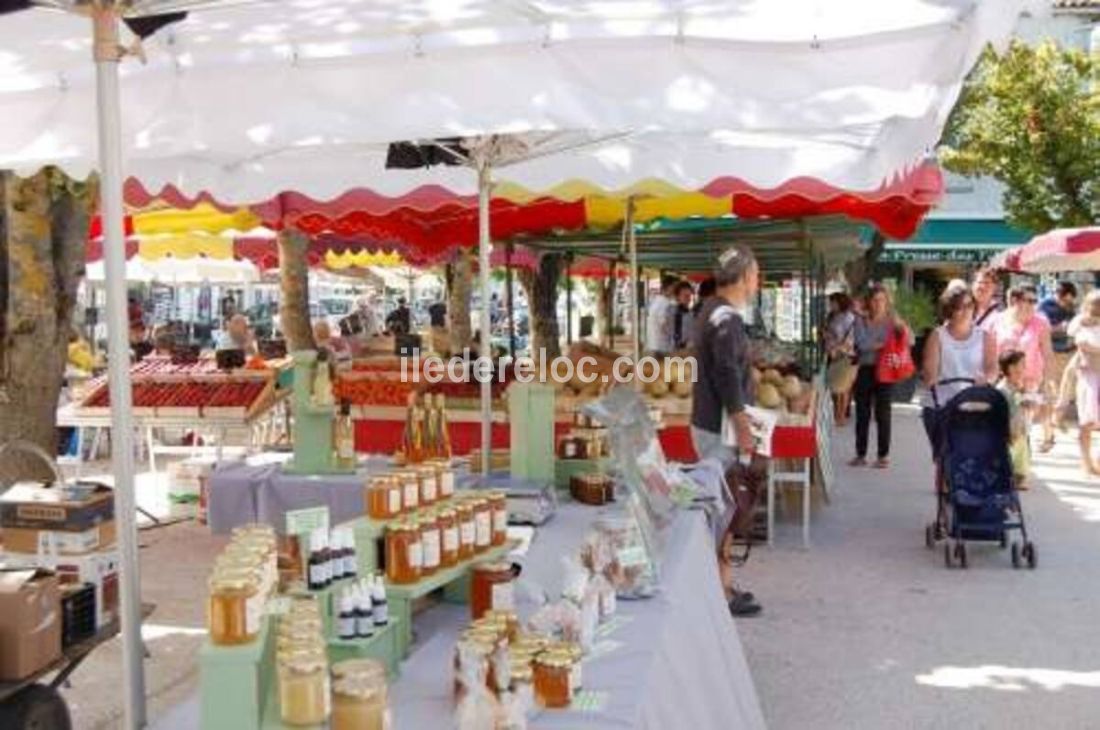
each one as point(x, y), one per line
point(360, 687)
point(306, 662)
point(501, 614)
point(522, 672)
point(370, 668)
point(553, 660)
point(477, 646)
point(231, 582)
point(493, 566)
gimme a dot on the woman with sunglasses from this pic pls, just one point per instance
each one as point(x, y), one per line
point(958, 353)
point(1022, 328)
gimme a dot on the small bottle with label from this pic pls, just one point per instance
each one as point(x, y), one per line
point(336, 555)
point(381, 605)
point(344, 437)
point(364, 615)
point(318, 562)
point(351, 558)
point(347, 623)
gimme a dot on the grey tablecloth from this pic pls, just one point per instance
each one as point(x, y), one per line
point(677, 661)
point(239, 493)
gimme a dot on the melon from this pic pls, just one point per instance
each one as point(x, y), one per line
point(757, 376)
point(771, 375)
point(681, 388)
point(792, 387)
point(657, 389)
point(768, 396)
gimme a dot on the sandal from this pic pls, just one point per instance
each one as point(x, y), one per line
point(1046, 446)
point(858, 461)
point(882, 463)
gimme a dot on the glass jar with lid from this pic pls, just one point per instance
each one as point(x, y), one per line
point(410, 489)
point(467, 532)
point(384, 497)
point(552, 680)
point(234, 611)
point(483, 524)
point(359, 703)
point(506, 617)
point(430, 543)
point(471, 664)
point(304, 689)
point(491, 588)
point(445, 476)
point(429, 484)
point(498, 502)
point(370, 669)
point(404, 553)
point(448, 538)
point(574, 653)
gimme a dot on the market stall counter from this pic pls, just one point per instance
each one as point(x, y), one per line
point(671, 661)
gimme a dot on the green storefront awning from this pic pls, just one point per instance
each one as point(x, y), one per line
point(955, 241)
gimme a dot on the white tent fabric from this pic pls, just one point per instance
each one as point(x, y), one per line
point(245, 100)
point(168, 270)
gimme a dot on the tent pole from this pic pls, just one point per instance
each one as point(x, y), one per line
point(511, 300)
point(611, 292)
point(107, 54)
point(569, 298)
point(635, 318)
point(484, 187)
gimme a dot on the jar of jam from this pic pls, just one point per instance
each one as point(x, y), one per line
point(431, 544)
point(429, 484)
point(404, 553)
point(508, 618)
point(359, 703)
point(467, 532)
point(383, 497)
point(448, 538)
point(304, 690)
point(410, 489)
point(553, 688)
point(491, 588)
point(498, 502)
point(234, 610)
point(568, 448)
point(574, 653)
point(445, 476)
point(483, 525)
point(369, 669)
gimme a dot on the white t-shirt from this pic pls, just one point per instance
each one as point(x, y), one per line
point(658, 325)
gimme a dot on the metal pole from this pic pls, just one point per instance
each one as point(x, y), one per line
point(484, 188)
point(568, 298)
point(511, 301)
point(612, 290)
point(107, 53)
point(635, 317)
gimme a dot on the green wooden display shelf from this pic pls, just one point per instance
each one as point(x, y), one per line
point(566, 469)
point(234, 682)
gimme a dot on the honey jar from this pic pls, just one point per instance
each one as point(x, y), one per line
point(429, 484)
point(370, 669)
point(553, 688)
point(445, 475)
point(431, 544)
point(359, 703)
point(498, 502)
point(467, 532)
point(304, 690)
point(410, 489)
point(573, 652)
point(483, 525)
point(234, 610)
point(448, 537)
point(383, 497)
point(404, 553)
point(506, 617)
point(491, 588)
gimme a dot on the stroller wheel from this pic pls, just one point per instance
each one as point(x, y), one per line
point(929, 537)
point(1030, 555)
point(960, 553)
point(947, 555)
point(1015, 555)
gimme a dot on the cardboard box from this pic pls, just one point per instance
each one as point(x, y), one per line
point(100, 569)
point(74, 508)
point(58, 542)
point(30, 622)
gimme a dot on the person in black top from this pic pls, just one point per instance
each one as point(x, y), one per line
point(723, 387)
point(399, 321)
point(682, 320)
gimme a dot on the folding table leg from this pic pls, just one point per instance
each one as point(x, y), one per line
point(806, 482)
point(771, 504)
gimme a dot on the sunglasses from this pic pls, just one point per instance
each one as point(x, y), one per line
point(1029, 300)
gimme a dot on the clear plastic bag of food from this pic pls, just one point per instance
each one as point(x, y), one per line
point(632, 570)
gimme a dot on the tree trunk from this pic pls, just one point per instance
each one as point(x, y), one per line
point(542, 298)
point(458, 304)
point(43, 229)
point(858, 271)
point(294, 286)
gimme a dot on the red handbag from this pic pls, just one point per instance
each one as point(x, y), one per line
point(895, 362)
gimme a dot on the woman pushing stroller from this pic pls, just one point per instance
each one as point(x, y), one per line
point(958, 353)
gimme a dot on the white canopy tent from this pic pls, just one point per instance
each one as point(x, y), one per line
point(168, 270)
point(247, 99)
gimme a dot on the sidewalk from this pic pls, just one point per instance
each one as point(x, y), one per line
point(869, 629)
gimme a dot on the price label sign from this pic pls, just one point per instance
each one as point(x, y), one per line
point(305, 521)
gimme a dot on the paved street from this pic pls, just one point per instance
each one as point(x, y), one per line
point(869, 630)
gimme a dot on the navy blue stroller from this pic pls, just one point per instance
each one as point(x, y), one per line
point(978, 501)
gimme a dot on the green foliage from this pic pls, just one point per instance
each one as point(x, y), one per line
point(916, 307)
point(1030, 118)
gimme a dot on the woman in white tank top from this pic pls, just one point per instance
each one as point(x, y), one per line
point(957, 349)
